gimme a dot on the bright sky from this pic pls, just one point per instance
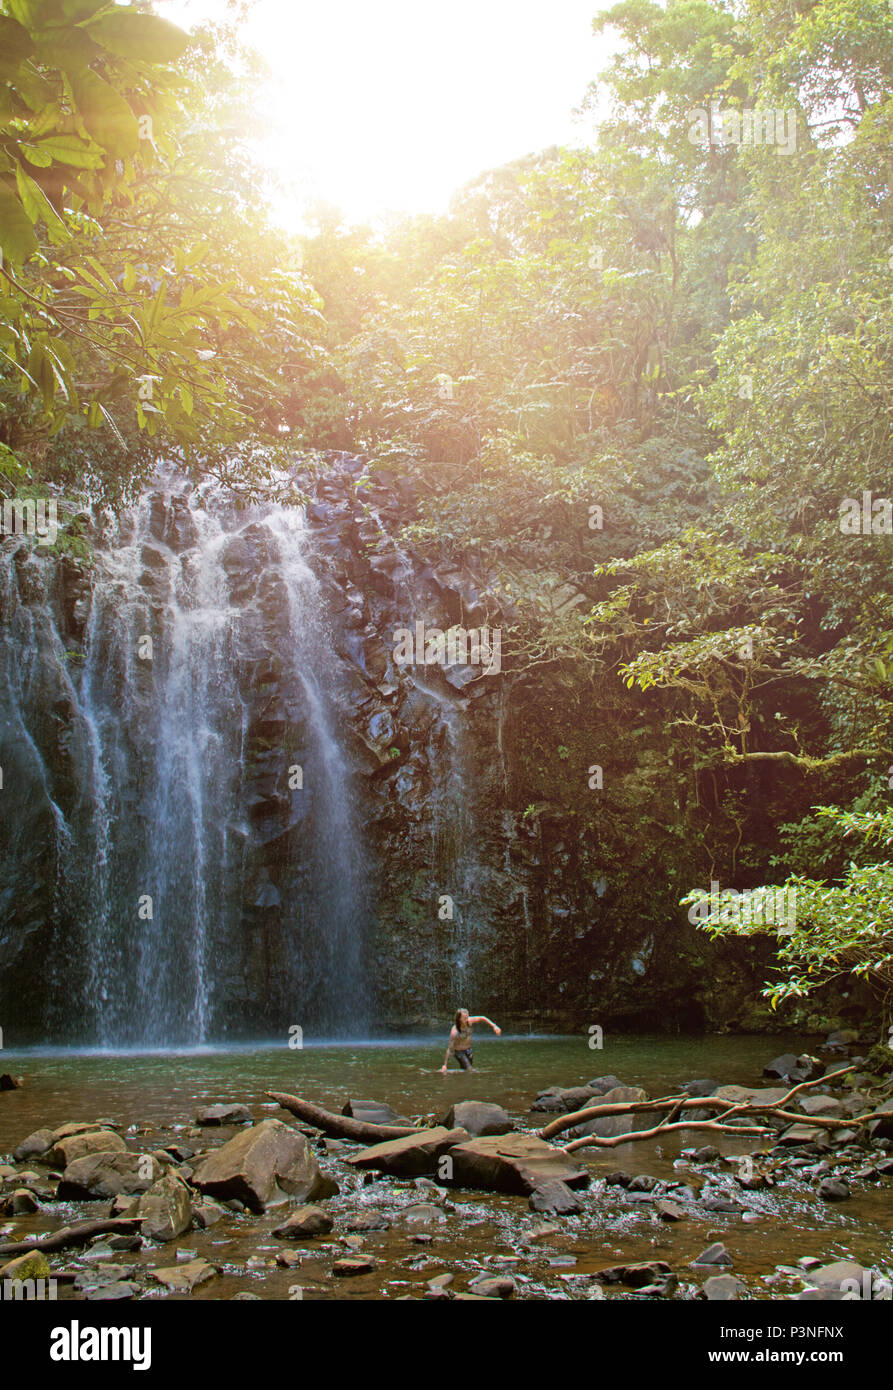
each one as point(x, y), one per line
point(391, 105)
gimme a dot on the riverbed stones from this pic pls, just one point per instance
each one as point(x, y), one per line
point(703, 1086)
point(352, 1265)
point(165, 1209)
point(32, 1265)
point(423, 1214)
point(636, 1276)
point(35, 1145)
point(609, 1126)
point(492, 1286)
point(826, 1106)
point(781, 1066)
point(373, 1112)
point(563, 1099)
point(305, 1224)
point(833, 1190)
point(412, 1155)
point(207, 1214)
point(516, 1163)
point(261, 1167)
point(107, 1175)
point(668, 1211)
point(882, 1128)
point(223, 1115)
point(715, 1254)
point(21, 1202)
point(721, 1288)
point(477, 1117)
point(183, 1278)
point(554, 1198)
point(66, 1150)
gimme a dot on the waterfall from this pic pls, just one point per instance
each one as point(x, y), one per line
point(217, 866)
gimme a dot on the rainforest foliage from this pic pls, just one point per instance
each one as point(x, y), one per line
point(643, 386)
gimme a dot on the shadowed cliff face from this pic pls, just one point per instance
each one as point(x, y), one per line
point(231, 809)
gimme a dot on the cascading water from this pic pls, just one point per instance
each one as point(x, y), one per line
point(219, 872)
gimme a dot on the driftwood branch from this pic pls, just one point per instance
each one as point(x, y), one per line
point(678, 1104)
point(78, 1234)
point(340, 1126)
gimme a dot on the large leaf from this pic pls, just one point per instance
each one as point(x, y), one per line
point(65, 149)
point(17, 237)
point(105, 113)
point(132, 34)
point(38, 206)
point(15, 41)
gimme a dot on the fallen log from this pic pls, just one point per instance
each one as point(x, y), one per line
point(77, 1234)
point(340, 1126)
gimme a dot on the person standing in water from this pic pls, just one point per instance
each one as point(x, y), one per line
point(460, 1039)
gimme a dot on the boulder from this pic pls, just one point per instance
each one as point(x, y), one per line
point(353, 1265)
point(185, 1277)
point(305, 1224)
point(206, 1214)
point(107, 1174)
point(636, 1276)
point(412, 1155)
point(564, 1099)
point(669, 1211)
point(721, 1288)
point(513, 1163)
point(97, 1141)
point(704, 1086)
point(223, 1115)
point(10, 1083)
point(490, 1286)
point(77, 1127)
point(752, 1095)
point(423, 1214)
point(36, 1144)
point(833, 1190)
point(21, 1202)
point(373, 1112)
point(261, 1167)
point(781, 1066)
point(32, 1265)
point(882, 1128)
point(554, 1197)
point(601, 1085)
point(166, 1209)
point(843, 1037)
point(715, 1254)
point(833, 1275)
point(820, 1105)
point(808, 1068)
point(608, 1126)
point(477, 1118)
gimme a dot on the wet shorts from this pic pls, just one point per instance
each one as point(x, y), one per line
point(464, 1059)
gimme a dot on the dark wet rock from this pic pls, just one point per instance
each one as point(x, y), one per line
point(843, 1037)
point(166, 1208)
point(702, 1087)
point(183, 1278)
point(882, 1128)
point(802, 1135)
point(477, 1118)
point(493, 1286)
point(352, 1265)
point(608, 1126)
point(602, 1084)
point(721, 1202)
point(706, 1154)
point(21, 1202)
point(513, 1163)
point(373, 1112)
point(66, 1150)
point(367, 1221)
point(781, 1066)
point(179, 1152)
point(808, 1068)
point(564, 1099)
point(637, 1276)
point(423, 1214)
point(206, 1214)
point(412, 1155)
point(305, 1224)
point(107, 1175)
point(123, 1242)
point(10, 1083)
point(555, 1198)
point(833, 1190)
point(35, 1145)
point(261, 1167)
point(721, 1288)
point(820, 1105)
point(618, 1178)
point(643, 1182)
point(668, 1211)
point(223, 1115)
point(715, 1254)
point(112, 1293)
point(885, 1167)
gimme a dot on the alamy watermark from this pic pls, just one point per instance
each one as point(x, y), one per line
point(753, 907)
point(759, 126)
point(458, 646)
point(27, 516)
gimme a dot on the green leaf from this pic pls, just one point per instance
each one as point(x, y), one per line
point(132, 34)
point(66, 149)
point(38, 206)
point(17, 236)
point(105, 113)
